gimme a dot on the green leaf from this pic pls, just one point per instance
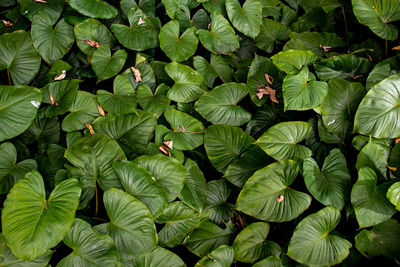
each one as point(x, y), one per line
point(224, 144)
point(218, 193)
point(342, 66)
point(10, 260)
point(94, 8)
point(382, 70)
point(373, 155)
point(220, 257)
point(246, 19)
point(168, 172)
point(187, 132)
point(90, 248)
point(312, 243)
point(106, 66)
point(377, 15)
point(382, 239)
point(271, 261)
point(18, 108)
point(19, 57)
point(11, 171)
point(241, 169)
point(158, 257)
point(132, 131)
point(138, 182)
point(52, 8)
point(249, 243)
point(189, 84)
point(91, 29)
point(43, 130)
point(376, 110)
point(369, 200)
point(84, 110)
point(175, 47)
point(131, 225)
point(302, 92)
point(281, 140)
point(292, 61)
point(330, 186)
point(94, 156)
point(33, 224)
point(221, 38)
point(271, 32)
point(52, 44)
point(256, 77)
point(207, 237)
point(340, 105)
point(219, 106)
point(393, 194)
point(156, 101)
point(267, 194)
point(142, 33)
point(193, 192)
point(63, 94)
point(179, 221)
point(218, 67)
point(122, 100)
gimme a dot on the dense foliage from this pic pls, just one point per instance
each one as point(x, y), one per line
point(216, 132)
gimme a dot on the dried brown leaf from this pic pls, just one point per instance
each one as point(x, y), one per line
point(136, 73)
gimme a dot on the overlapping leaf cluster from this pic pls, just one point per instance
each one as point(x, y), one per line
point(144, 133)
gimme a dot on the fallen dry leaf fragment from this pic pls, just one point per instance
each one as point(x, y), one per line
point(369, 58)
point(392, 168)
point(136, 73)
point(266, 90)
point(357, 76)
point(93, 43)
point(397, 139)
point(101, 110)
point(326, 48)
point(169, 144)
point(269, 79)
point(141, 21)
point(41, 1)
point(61, 76)
point(280, 198)
point(7, 23)
point(164, 150)
point(90, 127)
point(181, 128)
point(51, 99)
point(396, 47)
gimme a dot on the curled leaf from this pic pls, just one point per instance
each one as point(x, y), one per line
point(164, 150)
point(269, 79)
point(93, 43)
point(61, 76)
point(266, 90)
point(136, 73)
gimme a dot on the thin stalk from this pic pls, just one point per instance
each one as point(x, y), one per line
point(345, 25)
point(97, 200)
point(8, 76)
point(386, 48)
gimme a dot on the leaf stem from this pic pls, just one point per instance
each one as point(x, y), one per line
point(386, 47)
point(345, 25)
point(8, 76)
point(97, 200)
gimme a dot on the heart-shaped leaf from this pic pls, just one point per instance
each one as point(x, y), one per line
point(94, 8)
point(313, 243)
point(94, 156)
point(393, 194)
point(373, 116)
point(330, 185)
point(189, 84)
point(61, 95)
point(18, 108)
point(246, 18)
point(158, 257)
point(142, 33)
point(193, 192)
point(369, 200)
point(19, 57)
point(52, 8)
point(377, 15)
point(271, 33)
point(373, 155)
point(267, 194)
point(131, 225)
point(179, 221)
point(138, 182)
point(302, 92)
point(175, 47)
point(220, 257)
point(281, 140)
point(106, 66)
point(292, 61)
point(52, 44)
point(89, 247)
point(156, 101)
point(219, 105)
point(122, 100)
point(218, 192)
point(224, 144)
point(221, 39)
point(33, 224)
point(187, 132)
point(168, 172)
